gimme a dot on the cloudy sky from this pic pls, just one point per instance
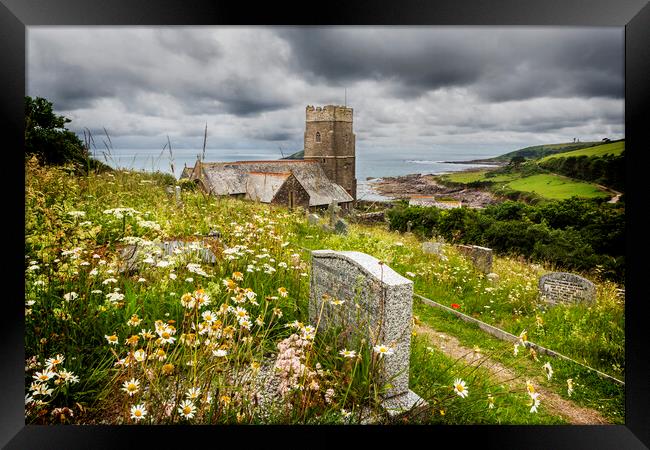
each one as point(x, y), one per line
point(492, 89)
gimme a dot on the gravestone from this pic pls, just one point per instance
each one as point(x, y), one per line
point(313, 219)
point(341, 226)
point(177, 190)
point(563, 287)
point(409, 225)
point(432, 248)
point(481, 257)
point(133, 254)
point(378, 302)
point(332, 212)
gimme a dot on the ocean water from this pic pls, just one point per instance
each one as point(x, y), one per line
point(369, 164)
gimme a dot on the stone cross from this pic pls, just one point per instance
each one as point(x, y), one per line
point(377, 302)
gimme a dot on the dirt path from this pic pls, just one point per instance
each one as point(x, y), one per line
point(553, 403)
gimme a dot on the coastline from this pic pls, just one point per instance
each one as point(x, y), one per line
point(418, 184)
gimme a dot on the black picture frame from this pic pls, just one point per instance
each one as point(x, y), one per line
point(634, 15)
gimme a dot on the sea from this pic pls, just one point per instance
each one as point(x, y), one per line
point(371, 166)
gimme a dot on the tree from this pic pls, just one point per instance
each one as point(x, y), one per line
point(516, 160)
point(48, 139)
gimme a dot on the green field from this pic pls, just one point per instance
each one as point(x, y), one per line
point(556, 187)
point(614, 148)
point(478, 175)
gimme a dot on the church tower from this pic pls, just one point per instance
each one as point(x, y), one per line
point(329, 140)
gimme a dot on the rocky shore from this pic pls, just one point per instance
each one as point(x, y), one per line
point(406, 186)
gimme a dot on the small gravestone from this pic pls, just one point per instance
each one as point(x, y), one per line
point(170, 191)
point(177, 190)
point(492, 276)
point(481, 257)
point(563, 287)
point(313, 219)
point(378, 303)
point(341, 226)
point(332, 212)
point(132, 255)
point(409, 225)
point(432, 248)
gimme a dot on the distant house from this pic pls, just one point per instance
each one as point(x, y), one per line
point(606, 140)
point(429, 200)
point(326, 173)
point(292, 183)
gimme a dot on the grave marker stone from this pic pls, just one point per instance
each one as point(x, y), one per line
point(481, 257)
point(383, 314)
point(563, 287)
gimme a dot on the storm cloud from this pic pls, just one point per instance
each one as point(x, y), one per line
point(410, 87)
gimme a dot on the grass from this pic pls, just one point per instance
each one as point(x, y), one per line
point(556, 187)
point(79, 300)
point(590, 390)
point(614, 148)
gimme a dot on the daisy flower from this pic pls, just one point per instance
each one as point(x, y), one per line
point(187, 409)
point(348, 353)
point(535, 402)
point(219, 353)
point(383, 350)
point(238, 276)
point(337, 302)
point(53, 362)
point(112, 339)
point(193, 393)
point(138, 412)
point(140, 355)
point(459, 387)
point(283, 292)
point(549, 370)
point(569, 384)
point(131, 387)
point(44, 375)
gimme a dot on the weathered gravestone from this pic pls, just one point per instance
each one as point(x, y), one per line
point(341, 226)
point(432, 248)
point(333, 211)
point(562, 287)
point(409, 225)
point(383, 314)
point(481, 257)
point(132, 255)
point(313, 219)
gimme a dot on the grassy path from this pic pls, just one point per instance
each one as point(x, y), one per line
point(553, 402)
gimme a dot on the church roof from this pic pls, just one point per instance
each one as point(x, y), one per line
point(228, 178)
point(263, 186)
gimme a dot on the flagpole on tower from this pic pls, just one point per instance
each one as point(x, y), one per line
point(346, 97)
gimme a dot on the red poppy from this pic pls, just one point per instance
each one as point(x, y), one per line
point(455, 305)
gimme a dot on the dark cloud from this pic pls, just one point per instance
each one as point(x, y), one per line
point(499, 64)
point(410, 86)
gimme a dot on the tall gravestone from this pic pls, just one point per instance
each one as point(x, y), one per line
point(481, 257)
point(377, 302)
point(563, 287)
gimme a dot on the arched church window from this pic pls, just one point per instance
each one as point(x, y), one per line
point(317, 136)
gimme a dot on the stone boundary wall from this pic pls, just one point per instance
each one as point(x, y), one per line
point(563, 287)
point(481, 256)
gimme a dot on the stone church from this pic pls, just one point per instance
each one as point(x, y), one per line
point(326, 173)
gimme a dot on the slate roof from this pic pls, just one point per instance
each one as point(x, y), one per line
point(263, 186)
point(229, 178)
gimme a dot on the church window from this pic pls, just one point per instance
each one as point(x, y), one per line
point(317, 136)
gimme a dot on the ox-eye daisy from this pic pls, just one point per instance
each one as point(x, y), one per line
point(138, 412)
point(187, 409)
point(131, 387)
point(383, 350)
point(459, 387)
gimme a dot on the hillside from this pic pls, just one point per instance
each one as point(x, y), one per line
point(540, 151)
point(298, 155)
point(613, 148)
